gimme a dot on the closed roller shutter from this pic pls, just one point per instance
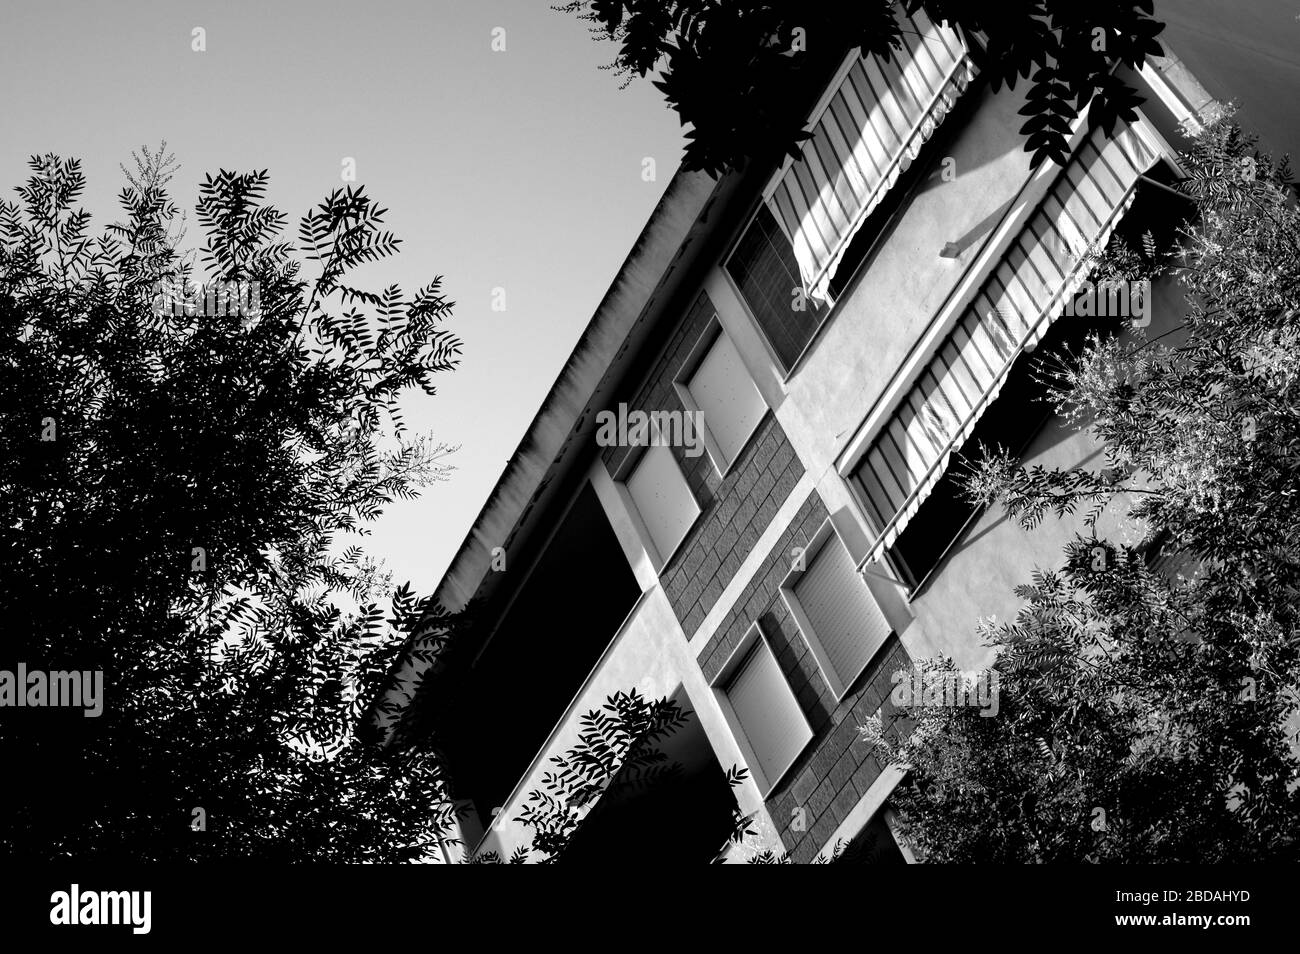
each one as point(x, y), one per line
point(724, 392)
point(847, 626)
point(767, 712)
point(663, 499)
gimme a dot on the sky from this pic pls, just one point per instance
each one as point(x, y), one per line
point(518, 169)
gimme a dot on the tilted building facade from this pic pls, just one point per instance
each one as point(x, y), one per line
point(817, 345)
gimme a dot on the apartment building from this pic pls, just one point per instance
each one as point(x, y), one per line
point(829, 340)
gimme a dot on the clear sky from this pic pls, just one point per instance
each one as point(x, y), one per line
point(518, 169)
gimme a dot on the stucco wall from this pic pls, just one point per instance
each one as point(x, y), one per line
point(649, 654)
point(994, 555)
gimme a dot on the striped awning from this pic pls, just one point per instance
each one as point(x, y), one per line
point(863, 137)
point(1042, 270)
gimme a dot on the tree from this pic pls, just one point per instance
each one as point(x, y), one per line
point(186, 449)
point(620, 751)
point(739, 72)
point(1147, 683)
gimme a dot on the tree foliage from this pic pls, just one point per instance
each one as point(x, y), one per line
point(738, 72)
point(618, 750)
point(179, 484)
point(1148, 684)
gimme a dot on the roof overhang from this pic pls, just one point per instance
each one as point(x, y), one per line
point(692, 219)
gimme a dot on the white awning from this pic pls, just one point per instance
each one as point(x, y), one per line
point(867, 133)
point(1040, 272)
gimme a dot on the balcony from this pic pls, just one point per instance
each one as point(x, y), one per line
point(532, 650)
point(687, 815)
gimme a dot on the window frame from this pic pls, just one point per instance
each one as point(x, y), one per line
point(625, 470)
point(756, 639)
point(913, 586)
point(839, 684)
point(967, 289)
point(724, 262)
point(709, 337)
point(909, 181)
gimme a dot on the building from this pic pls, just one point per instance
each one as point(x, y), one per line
point(739, 493)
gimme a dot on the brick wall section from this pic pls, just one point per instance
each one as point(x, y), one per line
point(763, 590)
point(836, 768)
point(733, 511)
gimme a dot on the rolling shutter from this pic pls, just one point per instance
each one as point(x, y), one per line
point(767, 712)
point(1039, 273)
point(847, 625)
point(728, 398)
point(869, 132)
point(663, 499)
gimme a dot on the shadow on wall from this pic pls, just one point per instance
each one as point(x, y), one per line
point(684, 815)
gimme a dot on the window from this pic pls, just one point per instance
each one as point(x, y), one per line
point(836, 612)
point(870, 125)
point(979, 386)
point(1011, 421)
point(874, 845)
point(875, 121)
point(1021, 409)
point(685, 812)
point(925, 168)
point(762, 710)
point(716, 384)
point(662, 500)
point(767, 276)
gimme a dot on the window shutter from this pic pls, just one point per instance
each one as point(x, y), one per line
point(663, 499)
point(842, 614)
point(728, 398)
point(768, 713)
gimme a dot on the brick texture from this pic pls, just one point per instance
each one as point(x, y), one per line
point(735, 510)
point(836, 768)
